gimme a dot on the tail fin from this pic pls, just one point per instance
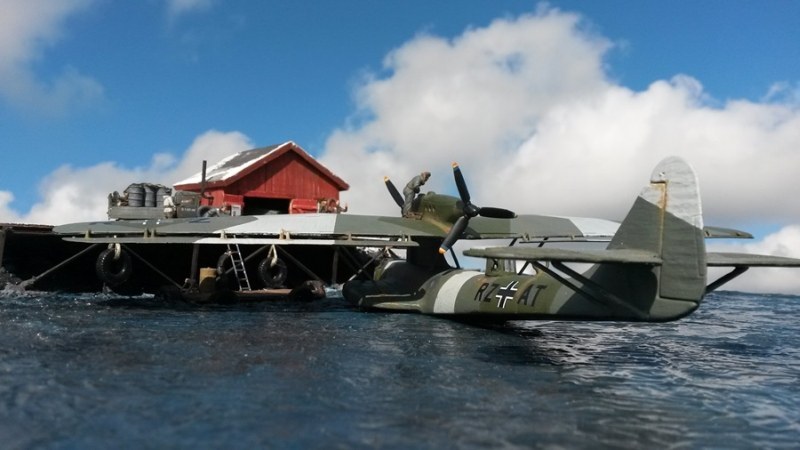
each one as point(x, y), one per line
point(667, 220)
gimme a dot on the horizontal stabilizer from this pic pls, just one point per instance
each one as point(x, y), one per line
point(749, 260)
point(616, 256)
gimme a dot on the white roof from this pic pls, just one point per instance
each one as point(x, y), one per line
point(232, 165)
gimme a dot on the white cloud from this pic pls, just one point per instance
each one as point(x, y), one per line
point(473, 99)
point(7, 214)
point(80, 194)
point(525, 107)
point(27, 29)
point(598, 151)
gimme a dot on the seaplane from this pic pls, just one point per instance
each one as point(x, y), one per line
point(653, 269)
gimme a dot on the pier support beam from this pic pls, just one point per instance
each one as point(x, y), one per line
point(31, 281)
point(193, 277)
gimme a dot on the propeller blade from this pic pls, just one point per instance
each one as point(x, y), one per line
point(471, 210)
point(394, 192)
point(496, 213)
point(454, 234)
point(463, 192)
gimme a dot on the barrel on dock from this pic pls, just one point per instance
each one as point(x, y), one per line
point(149, 196)
point(136, 195)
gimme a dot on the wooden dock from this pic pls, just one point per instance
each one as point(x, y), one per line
point(33, 257)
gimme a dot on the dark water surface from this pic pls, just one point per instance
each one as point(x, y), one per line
point(105, 372)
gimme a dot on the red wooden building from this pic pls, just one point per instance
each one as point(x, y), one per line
point(279, 178)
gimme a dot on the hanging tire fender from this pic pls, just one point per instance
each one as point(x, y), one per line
point(113, 266)
point(273, 275)
point(223, 260)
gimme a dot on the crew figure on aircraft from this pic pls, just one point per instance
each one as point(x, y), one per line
point(412, 189)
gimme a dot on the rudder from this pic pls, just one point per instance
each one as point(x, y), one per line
point(667, 219)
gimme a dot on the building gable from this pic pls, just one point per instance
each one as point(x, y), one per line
point(285, 171)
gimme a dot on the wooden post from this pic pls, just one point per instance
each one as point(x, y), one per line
point(335, 268)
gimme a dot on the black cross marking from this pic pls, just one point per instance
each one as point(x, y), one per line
point(506, 293)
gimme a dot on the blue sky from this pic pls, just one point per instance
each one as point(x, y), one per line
point(95, 94)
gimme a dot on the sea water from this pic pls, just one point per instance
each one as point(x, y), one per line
point(93, 371)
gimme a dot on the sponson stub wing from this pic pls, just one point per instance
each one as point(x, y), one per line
point(739, 262)
point(625, 256)
point(617, 256)
point(749, 260)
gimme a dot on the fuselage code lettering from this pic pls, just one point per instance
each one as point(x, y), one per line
point(502, 294)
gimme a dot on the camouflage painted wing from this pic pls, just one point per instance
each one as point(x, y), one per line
point(284, 229)
point(532, 228)
point(326, 229)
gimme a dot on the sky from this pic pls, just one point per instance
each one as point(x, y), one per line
point(559, 108)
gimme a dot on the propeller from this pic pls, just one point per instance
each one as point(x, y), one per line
point(469, 211)
point(394, 192)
